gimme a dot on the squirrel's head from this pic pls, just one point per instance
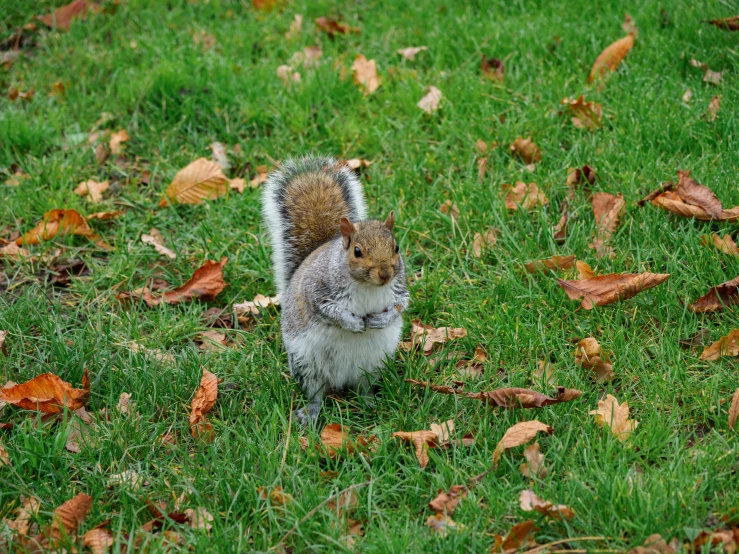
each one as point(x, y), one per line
point(371, 251)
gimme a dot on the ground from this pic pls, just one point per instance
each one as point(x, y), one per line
point(139, 62)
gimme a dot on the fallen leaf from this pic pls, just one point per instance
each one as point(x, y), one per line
point(441, 523)
point(199, 518)
point(606, 209)
point(482, 164)
point(727, 23)
point(450, 208)
point(296, 25)
point(204, 40)
point(158, 246)
point(57, 222)
point(422, 441)
point(713, 108)
point(3, 348)
point(530, 502)
point(261, 176)
point(204, 400)
point(611, 57)
point(628, 25)
point(12, 251)
point(47, 393)
point(14, 94)
point(163, 357)
point(430, 336)
point(693, 193)
point(655, 544)
point(694, 341)
point(492, 68)
point(116, 141)
point(4, 456)
point(709, 75)
point(672, 202)
point(526, 149)
point(585, 115)
point(725, 346)
point(473, 368)
point(544, 373)
point(201, 180)
point(93, 190)
point(260, 301)
point(365, 75)
point(410, 52)
point(687, 96)
point(124, 401)
point(524, 196)
point(355, 164)
point(551, 264)
point(128, 478)
point(21, 524)
point(718, 297)
point(69, 516)
point(534, 466)
point(98, 540)
point(734, 409)
point(276, 496)
point(212, 341)
point(76, 432)
point(16, 178)
point(521, 535)
point(519, 434)
point(332, 27)
point(430, 102)
point(615, 416)
point(559, 231)
point(312, 55)
point(344, 504)
point(62, 17)
point(287, 75)
point(103, 216)
point(484, 241)
point(446, 502)
point(607, 289)
point(589, 355)
point(335, 438)
point(726, 245)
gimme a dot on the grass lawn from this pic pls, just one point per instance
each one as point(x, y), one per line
point(180, 75)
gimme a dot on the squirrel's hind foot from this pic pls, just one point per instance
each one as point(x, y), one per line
point(308, 415)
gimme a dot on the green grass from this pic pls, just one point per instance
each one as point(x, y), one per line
point(677, 473)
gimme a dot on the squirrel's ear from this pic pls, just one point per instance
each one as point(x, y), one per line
point(347, 230)
point(390, 221)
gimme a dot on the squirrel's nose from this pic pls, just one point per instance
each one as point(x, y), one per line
point(384, 275)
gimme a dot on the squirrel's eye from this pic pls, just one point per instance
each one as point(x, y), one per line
point(397, 248)
point(357, 252)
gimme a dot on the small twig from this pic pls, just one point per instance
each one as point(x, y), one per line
point(562, 541)
point(287, 440)
point(314, 510)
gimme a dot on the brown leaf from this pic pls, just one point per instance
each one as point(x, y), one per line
point(335, 438)
point(205, 284)
point(606, 209)
point(201, 180)
point(519, 434)
point(276, 496)
point(473, 368)
point(124, 402)
point(446, 502)
point(734, 409)
point(430, 102)
point(332, 27)
point(260, 177)
point(344, 504)
point(726, 245)
point(693, 193)
point(69, 516)
point(530, 502)
point(655, 544)
point(611, 57)
point(3, 348)
point(579, 176)
point(725, 294)
point(607, 289)
point(61, 18)
point(253, 307)
point(664, 187)
point(20, 525)
point(422, 441)
point(585, 115)
point(296, 25)
point(158, 246)
point(4, 456)
point(553, 263)
point(93, 190)
point(204, 400)
point(287, 76)
point(441, 523)
point(714, 106)
point(521, 535)
point(492, 68)
point(430, 336)
point(709, 75)
point(57, 222)
point(450, 208)
point(47, 393)
point(365, 75)
point(212, 341)
point(524, 196)
point(116, 141)
point(534, 466)
point(687, 96)
point(694, 341)
point(103, 216)
point(615, 416)
point(559, 231)
point(482, 164)
point(588, 354)
point(12, 251)
point(199, 518)
point(725, 346)
point(484, 241)
point(98, 540)
point(410, 52)
point(526, 150)
point(727, 23)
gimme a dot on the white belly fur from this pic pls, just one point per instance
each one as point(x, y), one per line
point(341, 358)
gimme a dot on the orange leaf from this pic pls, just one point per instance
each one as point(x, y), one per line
point(606, 209)
point(611, 57)
point(335, 437)
point(204, 400)
point(585, 115)
point(69, 516)
point(202, 180)
point(616, 416)
point(734, 409)
point(422, 440)
point(725, 294)
point(727, 23)
point(607, 289)
point(62, 17)
point(57, 222)
point(725, 346)
point(47, 393)
point(519, 434)
point(526, 149)
point(446, 502)
point(521, 535)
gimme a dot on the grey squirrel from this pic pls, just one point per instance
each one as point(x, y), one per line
point(340, 277)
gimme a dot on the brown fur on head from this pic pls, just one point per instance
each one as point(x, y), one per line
point(371, 250)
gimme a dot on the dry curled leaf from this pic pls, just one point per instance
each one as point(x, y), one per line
point(725, 245)
point(127, 478)
point(62, 17)
point(365, 75)
point(332, 27)
point(585, 115)
point(674, 203)
point(589, 355)
point(124, 402)
point(430, 102)
point(482, 242)
point(520, 536)
point(607, 289)
point(287, 75)
point(116, 141)
point(709, 75)
point(446, 502)
point(28, 509)
point(734, 409)
point(718, 297)
point(553, 263)
point(449, 208)
point(296, 25)
point(611, 57)
point(430, 336)
point(212, 341)
point(4, 456)
point(12, 251)
point(425, 439)
point(92, 190)
point(725, 346)
point(615, 416)
point(727, 23)
point(410, 52)
point(492, 68)
point(530, 502)
point(714, 106)
point(98, 540)
point(3, 348)
point(200, 180)
point(441, 523)
point(47, 393)
point(655, 544)
point(534, 466)
point(607, 209)
point(524, 196)
point(57, 223)
point(199, 518)
point(260, 301)
point(276, 496)
point(526, 149)
point(204, 400)
point(335, 438)
point(698, 195)
point(473, 368)
point(69, 516)
point(519, 434)
point(156, 242)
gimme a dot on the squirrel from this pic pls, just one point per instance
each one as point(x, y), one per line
point(340, 277)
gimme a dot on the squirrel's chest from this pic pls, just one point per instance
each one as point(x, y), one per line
point(365, 300)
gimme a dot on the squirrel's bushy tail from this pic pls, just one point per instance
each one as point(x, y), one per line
point(302, 204)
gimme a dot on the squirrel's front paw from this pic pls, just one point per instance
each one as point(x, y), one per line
point(380, 320)
point(355, 325)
